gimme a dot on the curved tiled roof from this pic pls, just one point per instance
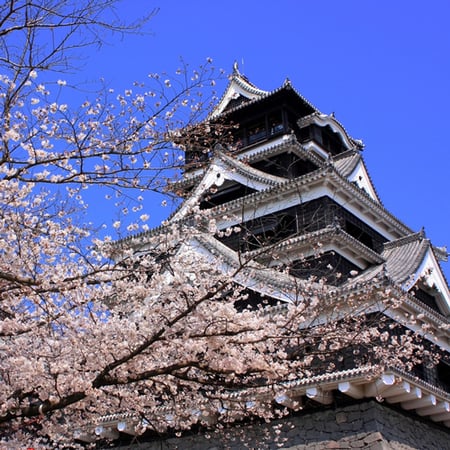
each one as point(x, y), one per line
point(287, 186)
point(288, 142)
point(249, 171)
point(254, 94)
point(272, 147)
point(292, 186)
point(236, 79)
point(257, 277)
point(404, 256)
point(406, 260)
point(346, 162)
point(322, 237)
point(224, 168)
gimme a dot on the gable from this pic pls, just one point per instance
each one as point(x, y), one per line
point(238, 91)
point(361, 178)
point(221, 172)
point(429, 277)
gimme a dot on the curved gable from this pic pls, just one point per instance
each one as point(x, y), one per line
point(412, 263)
point(239, 90)
point(225, 169)
point(328, 120)
point(429, 276)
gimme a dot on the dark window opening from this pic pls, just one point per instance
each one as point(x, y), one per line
point(259, 129)
point(262, 232)
point(331, 141)
point(426, 298)
point(437, 375)
point(325, 137)
point(331, 266)
point(257, 132)
point(304, 218)
point(286, 165)
point(358, 233)
point(275, 122)
point(443, 375)
point(252, 300)
point(225, 195)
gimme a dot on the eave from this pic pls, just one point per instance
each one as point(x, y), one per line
point(323, 120)
point(251, 154)
point(305, 244)
point(399, 305)
point(258, 99)
point(330, 183)
point(392, 385)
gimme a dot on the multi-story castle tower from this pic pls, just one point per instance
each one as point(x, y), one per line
point(294, 181)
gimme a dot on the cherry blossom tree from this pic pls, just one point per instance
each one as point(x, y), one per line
point(149, 328)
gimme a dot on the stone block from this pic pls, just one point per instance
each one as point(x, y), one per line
point(358, 443)
point(372, 425)
point(352, 416)
point(373, 437)
point(341, 417)
point(333, 444)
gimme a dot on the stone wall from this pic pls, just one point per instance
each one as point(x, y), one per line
point(369, 425)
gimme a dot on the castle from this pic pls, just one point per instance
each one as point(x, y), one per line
point(293, 180)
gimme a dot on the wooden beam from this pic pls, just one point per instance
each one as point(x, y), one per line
point(106, 432)
point(402, 387)
point(440, 417)
point(350, 389)
point(317, 394)
point(441, 407)
point(292, 402)
point(418, 403)
point(413, 394)
point(379, 386)
point(127, 427)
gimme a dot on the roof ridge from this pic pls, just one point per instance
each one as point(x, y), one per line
point(243, 82)
point(322, 119)
point(419, 235)
point(238, 76)
point(249, 170)
point(351, 152)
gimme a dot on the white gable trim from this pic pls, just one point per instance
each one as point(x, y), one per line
point(361, 177)
point(219, 172)
point(322, 120)
point(238, 86)
point(430, 274)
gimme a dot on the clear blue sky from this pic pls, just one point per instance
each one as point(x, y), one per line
point(382, 66)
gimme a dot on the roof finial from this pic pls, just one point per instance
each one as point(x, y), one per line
point(422, 233)
point(236, 68)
